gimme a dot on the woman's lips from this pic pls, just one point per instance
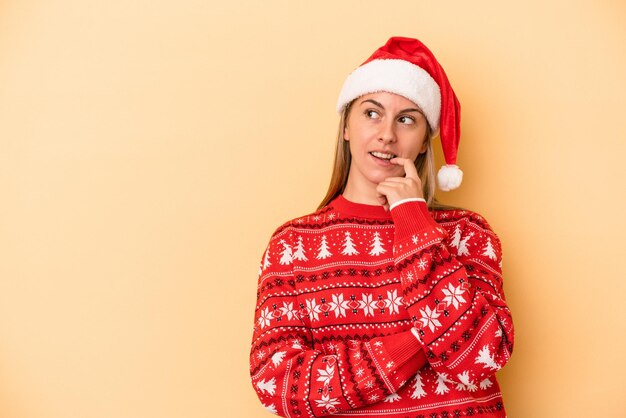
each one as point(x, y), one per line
point(381, 158)
point(382, 155)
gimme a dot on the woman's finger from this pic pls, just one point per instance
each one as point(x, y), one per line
point(409, 168)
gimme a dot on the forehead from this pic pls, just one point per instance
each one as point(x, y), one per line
point(388, 99)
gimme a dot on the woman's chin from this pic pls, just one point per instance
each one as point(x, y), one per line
point(377, 176)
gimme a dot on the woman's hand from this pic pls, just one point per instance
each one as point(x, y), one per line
point(394, 189)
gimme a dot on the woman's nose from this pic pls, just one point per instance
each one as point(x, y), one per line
point(387, 134)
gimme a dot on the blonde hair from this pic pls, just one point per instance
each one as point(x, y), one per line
point(424, 163)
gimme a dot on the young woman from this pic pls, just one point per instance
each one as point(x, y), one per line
point(384, 303)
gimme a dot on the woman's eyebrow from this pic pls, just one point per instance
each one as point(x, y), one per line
point(374, 102)
point(410, 109)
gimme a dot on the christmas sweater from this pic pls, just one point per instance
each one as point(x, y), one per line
point(372, 313)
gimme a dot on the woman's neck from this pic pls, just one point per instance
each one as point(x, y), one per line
point(360, 193)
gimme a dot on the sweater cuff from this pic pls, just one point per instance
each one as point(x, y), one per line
point(402, 348)
point(409, 199)
point(407, 354)
point(410, 218)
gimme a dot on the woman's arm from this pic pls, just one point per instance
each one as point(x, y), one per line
point(454, 293)
point(291, 377)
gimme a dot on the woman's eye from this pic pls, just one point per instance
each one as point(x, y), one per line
point(406, 120)
point(372, 114)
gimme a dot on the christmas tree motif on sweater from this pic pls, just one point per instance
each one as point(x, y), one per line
point(323, 249)
point(456, 236)
point(485, 358)
point(442, 388)
point(418, 387)
point(278, 357)
point(348, 246)
point(463, 244)
point(377, 245)
point(266, 259)
point(392, 398)
point(486, 384)
point(489, 252)
point(267, 387)
point(465, 382)
point(299, 254)
point(287, 257)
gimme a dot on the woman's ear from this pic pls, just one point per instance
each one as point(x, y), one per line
point(346, 115)
point(424, 146)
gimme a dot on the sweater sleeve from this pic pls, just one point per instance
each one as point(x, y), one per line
point(454, 293)
point(293, 378)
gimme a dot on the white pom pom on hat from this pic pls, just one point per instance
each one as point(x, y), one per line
point(405, 66)
point(449, 177)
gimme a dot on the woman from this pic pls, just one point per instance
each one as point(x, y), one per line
point(383, 302)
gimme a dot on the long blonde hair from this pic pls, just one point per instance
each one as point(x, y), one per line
point(424, 163)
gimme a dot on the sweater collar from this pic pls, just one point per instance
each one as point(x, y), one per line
point(360, 210)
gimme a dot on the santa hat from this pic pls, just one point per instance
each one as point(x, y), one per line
point(405, 66)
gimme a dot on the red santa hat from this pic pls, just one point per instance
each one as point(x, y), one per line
point(405, 66)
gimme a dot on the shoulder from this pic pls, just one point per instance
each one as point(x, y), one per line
point(466, 223)
point(292, 241)
point(460, 216)
point(469, 235)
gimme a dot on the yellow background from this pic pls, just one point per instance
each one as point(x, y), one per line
point(150, 148)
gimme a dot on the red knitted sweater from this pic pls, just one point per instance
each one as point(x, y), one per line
point(368, 313)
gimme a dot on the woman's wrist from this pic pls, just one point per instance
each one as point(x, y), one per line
point(412, 219)
point(408, 199)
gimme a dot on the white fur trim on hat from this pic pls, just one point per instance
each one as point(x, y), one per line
point(449, 177)
point(394, 76)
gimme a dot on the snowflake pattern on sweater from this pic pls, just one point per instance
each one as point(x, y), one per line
point(373, 313)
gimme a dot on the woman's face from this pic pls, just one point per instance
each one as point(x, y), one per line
point(381, 126)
